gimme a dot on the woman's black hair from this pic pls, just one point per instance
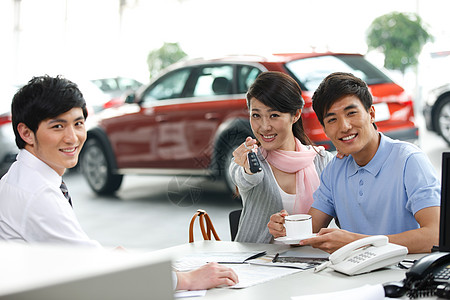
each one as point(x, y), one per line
point(280, 92)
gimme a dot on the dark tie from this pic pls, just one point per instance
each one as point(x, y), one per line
point(65, 192)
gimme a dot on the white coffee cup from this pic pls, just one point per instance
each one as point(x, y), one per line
point(299, 225)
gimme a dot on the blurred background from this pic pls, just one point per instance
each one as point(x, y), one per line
point(86, 40)
point(83, 38)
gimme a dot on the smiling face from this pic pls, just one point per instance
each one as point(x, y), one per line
point(273, 129)
point(350, 127)
point(57, 141)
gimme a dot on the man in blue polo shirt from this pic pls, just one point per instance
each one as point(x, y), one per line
point(383, 186)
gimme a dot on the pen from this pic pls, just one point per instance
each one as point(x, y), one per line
point(275, 258)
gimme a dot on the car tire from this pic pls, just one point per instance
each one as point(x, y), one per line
point(97, 169)
point(442, 118)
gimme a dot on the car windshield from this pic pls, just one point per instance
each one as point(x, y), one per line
point(311, 71)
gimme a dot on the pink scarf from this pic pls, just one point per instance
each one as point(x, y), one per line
point(300, 162)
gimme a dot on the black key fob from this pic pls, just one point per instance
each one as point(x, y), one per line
point(253, 161)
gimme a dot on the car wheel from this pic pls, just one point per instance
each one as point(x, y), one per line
point(97, 169)
point(443, 118)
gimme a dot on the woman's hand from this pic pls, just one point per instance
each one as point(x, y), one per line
point(276, 224)
point(240, 154)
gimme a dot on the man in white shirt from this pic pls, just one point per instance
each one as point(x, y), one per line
point(48, 116)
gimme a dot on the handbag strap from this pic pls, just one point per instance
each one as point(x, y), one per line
point(206, 232)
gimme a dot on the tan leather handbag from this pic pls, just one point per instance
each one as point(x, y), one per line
point(206, 232)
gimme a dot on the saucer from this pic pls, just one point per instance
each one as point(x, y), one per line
point(293, 240)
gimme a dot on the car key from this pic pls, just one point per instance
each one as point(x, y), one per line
point(253, 161)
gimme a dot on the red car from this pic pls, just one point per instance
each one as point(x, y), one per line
point(191, 118)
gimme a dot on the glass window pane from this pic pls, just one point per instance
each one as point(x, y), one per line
point(311, 71)
point(169, 87)
point(246, 76)
point(214, 80)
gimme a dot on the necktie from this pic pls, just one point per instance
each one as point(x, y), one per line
point(65, 192)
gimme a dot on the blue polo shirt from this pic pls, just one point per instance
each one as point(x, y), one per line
point(383, 196)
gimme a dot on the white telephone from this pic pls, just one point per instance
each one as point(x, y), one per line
point(365, 255)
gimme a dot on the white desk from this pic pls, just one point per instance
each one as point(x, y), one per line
point(44, 272)
point(55, 273)
point(301, 283)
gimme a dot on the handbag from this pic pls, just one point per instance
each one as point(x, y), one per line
point(206, 232)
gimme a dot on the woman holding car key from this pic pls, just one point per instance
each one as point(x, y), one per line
point(279, 170)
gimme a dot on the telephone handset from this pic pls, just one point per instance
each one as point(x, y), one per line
point(365, 255)
point(428, 276)
point(437, 263)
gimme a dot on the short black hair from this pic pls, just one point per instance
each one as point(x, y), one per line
point(336, 86)
point(43, 98)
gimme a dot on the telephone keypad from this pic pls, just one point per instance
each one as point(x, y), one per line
point(443, 275)
point(362, 257)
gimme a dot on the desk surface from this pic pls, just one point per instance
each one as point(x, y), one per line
point(301, 283)
point(50, 272)
point(46, 273)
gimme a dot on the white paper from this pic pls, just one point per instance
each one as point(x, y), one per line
point(366, 292)
point(189, 294)
point(196, 260)
point(250, 275)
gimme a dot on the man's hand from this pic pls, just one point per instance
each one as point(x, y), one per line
point(331, 239)
point(206, 277)
point(276, 224)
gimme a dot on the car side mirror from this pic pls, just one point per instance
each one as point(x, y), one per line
point(131, 97)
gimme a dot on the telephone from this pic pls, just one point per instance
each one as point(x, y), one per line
point(437, 263)
point(428, 276)
point(365, 255)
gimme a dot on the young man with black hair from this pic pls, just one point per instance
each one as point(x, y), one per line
point(48, 117)
point(383, 186)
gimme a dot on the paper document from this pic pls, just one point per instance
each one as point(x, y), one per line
point(195, 260)
point(306, 259)
point(267, 260)
point(250, 275)
point(189, 294)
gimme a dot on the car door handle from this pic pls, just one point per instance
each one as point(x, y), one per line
point(161, 118)
point(212, 116)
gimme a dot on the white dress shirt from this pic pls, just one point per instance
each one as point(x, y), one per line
point(33, 209)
